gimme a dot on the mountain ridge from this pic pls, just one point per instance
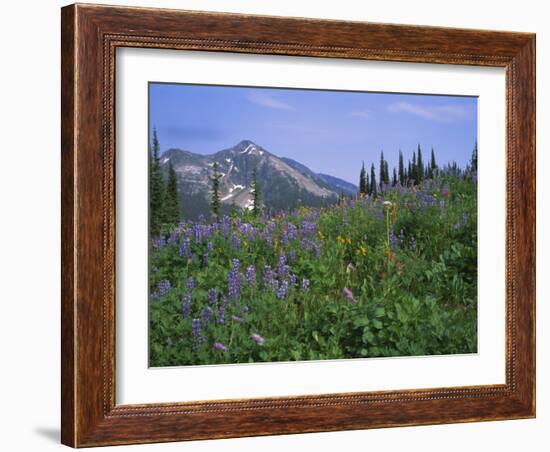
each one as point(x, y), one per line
point(284, 183)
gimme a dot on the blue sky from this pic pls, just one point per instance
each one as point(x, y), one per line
point(329, 131)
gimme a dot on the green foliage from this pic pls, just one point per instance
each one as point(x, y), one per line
point(408, 258)
point(171, 198)
point(362, 181)
point(215, 180)
point(156, 188)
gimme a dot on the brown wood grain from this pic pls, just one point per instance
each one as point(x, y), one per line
point(90, 35)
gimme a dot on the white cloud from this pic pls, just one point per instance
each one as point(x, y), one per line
point(364, 114)
point(265, 100)
point(442, 113)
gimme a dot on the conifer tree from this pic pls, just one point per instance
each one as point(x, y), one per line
point(381, 175)
point(367, 185)
point(409, 171)
point(171, 198)
point(394, 181)
point(362, 180)
point(156, 188)
point(419, 165)
point(433, 164)
point(386, 173)
point(414, 170)
point(215, 179)
point(256, 193)
point(401, 169)
point(373, 188)
point(473, 162)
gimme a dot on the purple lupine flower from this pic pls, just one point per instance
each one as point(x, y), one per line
point(233, 280)
point(282, 291)
point(210, 247)
point(212, 296)
point(206, 315)
point(245, 309)
point(163, 287)
point(190, 283)
point(185, 248)
point(268, 275)
point(219, 346)
point(251, 275)
point(282, 268)
point(349, 295)
point(464, 217)
point(412, 244)
point(220, 317)
point(305, 284)
point(293, 279)
point(235, 242)
point(196, 333)
point(441, 204)
point(197, 233)
point(205, 259)
point(315, 248)
point(257, 338)
point(237, 319)
point(186, 305)
point(309, 228)
point(292, 231)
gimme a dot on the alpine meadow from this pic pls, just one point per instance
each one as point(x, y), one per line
point(290, 225)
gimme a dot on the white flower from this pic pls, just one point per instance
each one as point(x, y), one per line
point(387, 203)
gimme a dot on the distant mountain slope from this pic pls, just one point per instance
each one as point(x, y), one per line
point(283, 185)
point(331, 182)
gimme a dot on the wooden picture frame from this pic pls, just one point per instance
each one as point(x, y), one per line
point(90, 36)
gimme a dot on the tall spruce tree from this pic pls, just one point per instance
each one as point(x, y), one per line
point(414, 170)
point(256, 192)
point(381, 174)
point(394, 180)
point(171, 198)
point(473, 161)
point(362, 180)
point(215, 179)
point(156, 188)
point(373, 187)
point(419, 165)
point(401, 169)
point(433, 164)
point(367, 185)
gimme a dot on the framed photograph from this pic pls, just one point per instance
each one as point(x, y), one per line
point(282, 225)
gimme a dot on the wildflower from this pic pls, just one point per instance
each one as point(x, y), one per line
point(163, 287)
point(212, 296)
point(219, 346)
point(190, 283)
point(268, 276)
point(350, 268)
point(387, 203)
point(237, 319)
point(233, 280)
point(282, 291)
point(251, 275)
point(185, 248)
point(362, 250)
point(257, 338)
point(196, 333)
point(305, 284)
point(293, 279)
point(186, 305)
point(349, 295)
point(282, 268)
point(206, 314)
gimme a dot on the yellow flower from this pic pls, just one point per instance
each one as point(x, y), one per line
point(320, 234)
point(362, 250)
